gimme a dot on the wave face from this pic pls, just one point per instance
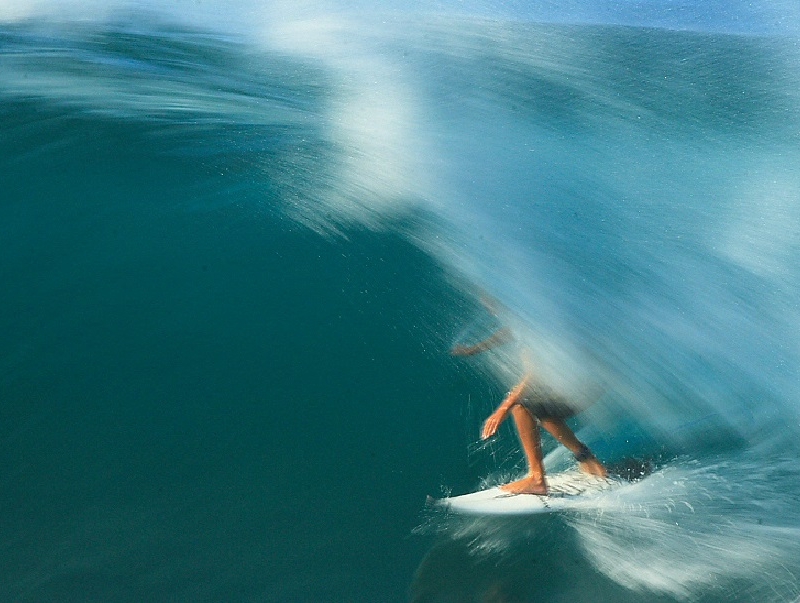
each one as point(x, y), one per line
point(235, 259)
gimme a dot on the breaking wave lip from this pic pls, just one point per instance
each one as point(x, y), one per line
point(244, 16)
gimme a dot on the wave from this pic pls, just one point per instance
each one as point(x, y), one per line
point(628, 195)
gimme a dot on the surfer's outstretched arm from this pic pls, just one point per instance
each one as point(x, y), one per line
point(497, 338)
point(496, 419)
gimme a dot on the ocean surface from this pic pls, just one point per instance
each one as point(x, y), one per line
point(236, 254)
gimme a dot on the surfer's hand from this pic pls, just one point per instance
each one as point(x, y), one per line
point(493, 423)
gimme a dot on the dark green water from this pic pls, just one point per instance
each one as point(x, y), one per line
point(206, 404)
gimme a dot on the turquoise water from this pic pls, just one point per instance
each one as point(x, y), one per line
point(234, 265)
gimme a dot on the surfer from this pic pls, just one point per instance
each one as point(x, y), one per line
point(531, 404)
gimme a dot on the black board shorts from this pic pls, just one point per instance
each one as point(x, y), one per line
point(548, 405)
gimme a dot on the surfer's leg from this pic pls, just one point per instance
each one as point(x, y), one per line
point(587, 462)
point(530, 438)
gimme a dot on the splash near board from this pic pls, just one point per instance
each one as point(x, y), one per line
point(567, 490)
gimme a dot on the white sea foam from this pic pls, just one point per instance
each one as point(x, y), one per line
point(689, 527)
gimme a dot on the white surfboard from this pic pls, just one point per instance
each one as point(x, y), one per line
point(570, 489)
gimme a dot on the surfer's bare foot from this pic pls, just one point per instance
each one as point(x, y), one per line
point(527, 485)
point(593, 467)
